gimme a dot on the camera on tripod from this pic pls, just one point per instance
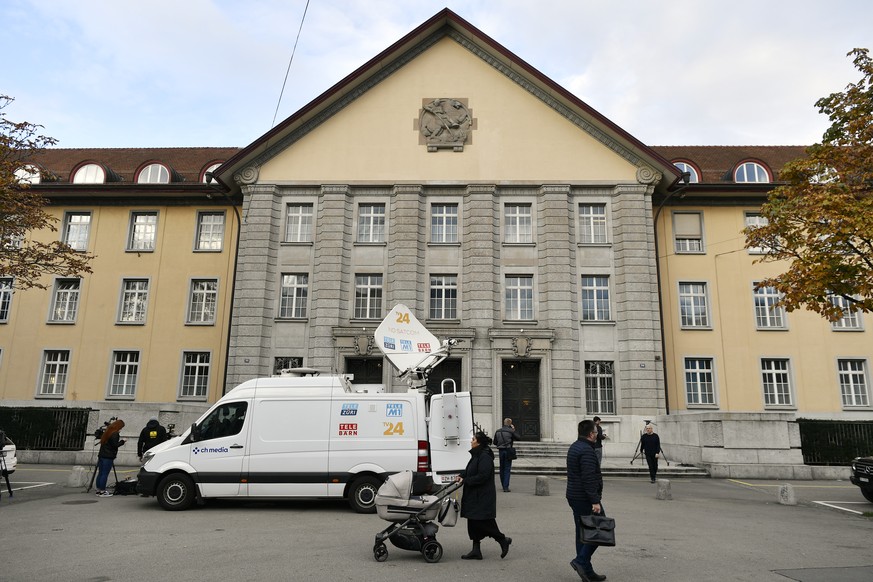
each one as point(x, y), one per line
point(101, 429)
point(171, 430)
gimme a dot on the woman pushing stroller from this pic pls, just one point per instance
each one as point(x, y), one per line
point(479, 502)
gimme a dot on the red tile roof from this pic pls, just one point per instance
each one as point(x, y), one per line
point(716, 164)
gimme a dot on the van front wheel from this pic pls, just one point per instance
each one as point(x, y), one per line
point(176, 492)
point(362, 494)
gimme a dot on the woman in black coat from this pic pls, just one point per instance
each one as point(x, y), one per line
point(479, 502)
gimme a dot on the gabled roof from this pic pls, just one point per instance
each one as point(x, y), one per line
point(444, 23)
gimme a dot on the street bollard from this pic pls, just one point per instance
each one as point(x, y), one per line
point(786, 494)
point(664, 490)
point(542, 486)
point(78, 477)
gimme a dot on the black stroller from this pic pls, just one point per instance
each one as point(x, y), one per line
point(412, 517)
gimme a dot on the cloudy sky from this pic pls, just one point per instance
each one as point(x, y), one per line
point(116, 73)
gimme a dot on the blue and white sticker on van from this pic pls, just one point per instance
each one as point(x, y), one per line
point(405, 346)
point(207, 450)
point(394, 409)
point(349, 409)
point(389, 343)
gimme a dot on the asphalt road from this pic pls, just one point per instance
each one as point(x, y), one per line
point(711, 530)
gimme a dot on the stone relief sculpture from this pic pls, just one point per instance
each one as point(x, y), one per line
point(445, 123)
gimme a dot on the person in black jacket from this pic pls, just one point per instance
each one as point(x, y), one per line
point(479, 501)
point(584, 491)
point(650, 445)
point(504, 440)
point(151, 435)
point(110, 441)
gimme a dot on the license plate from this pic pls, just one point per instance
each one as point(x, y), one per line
point(864, 479)
point(446, 479)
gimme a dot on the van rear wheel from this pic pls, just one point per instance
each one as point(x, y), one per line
point(362, 494)
point(176, 492)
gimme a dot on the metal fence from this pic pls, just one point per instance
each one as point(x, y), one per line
point(45, 429)
point(834, 442)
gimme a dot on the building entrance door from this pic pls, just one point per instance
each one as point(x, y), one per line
point(521, 397)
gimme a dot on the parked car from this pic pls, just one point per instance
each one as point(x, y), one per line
point(9, 458)
point(862, 476)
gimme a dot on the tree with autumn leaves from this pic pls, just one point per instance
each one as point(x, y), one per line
point(22, 212)
point(821, 220)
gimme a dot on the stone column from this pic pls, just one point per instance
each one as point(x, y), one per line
point(407, 240)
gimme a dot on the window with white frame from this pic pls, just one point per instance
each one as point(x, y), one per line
point(854, 382)
point(134, 301)
point(286, 362)
point(592, 224)
point(688, 232)
point(368, 296)
point(28, 175)
point(444, 223)
point(90, 174)
point(699, 381)
point(298, 223)
point(195, 375)
point(143, 230)
point(5, 298)
point(518, 298)
point(154, 174)
point(755, 220)
point(693, 178)
point(776, 380)
point(517, 223)
point(751, 172)
point(203, 301)
point(693, 305)
point(851, 319)
point(767, 314)
point(294, 295)
point(125, 371)
point(600, 387)
point(65, 301)
point(77, 226)
point(595, 298)
point(443, 297)
point(207, 173)
point(53, 376)
point(210, 231)
point(371, 223)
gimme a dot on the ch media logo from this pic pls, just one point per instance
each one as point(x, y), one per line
point(198, 450)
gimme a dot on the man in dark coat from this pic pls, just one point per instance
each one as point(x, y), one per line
point(479, 501)
point(151, 435)
point(650, 445)
point(584, 489)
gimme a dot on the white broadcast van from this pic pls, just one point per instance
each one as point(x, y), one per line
point(301, 434)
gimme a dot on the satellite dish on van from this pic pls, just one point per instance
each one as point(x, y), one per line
point(403, 339)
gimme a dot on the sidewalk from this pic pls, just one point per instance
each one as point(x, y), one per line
point(542, 465)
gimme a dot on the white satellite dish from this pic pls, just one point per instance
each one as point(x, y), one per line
point(404, 340)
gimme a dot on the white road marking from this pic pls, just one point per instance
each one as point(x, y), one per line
point(833, 504)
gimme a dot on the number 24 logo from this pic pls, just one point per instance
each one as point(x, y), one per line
point(393, 428)
point(402, 317)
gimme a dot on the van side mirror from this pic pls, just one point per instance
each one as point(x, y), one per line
point(195, 432)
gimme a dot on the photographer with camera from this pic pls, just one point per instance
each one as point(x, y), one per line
point(110, 441)
point(151, 435)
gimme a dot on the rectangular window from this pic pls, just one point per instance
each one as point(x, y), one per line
point(767, 314)
point(754, 219)
point(371, 223)
point(599, 387)
point(203, 301)
point(443, 297)
point(518, 223)
point(699, 381)
point(210, 231)
point(444, 223)
point(5, 298)
point(298, 223)
point(592, 224)
point(77, 226)
point(55, 367)
point(143, 230)
point(519, 297)
point(595, 298)
point(286, 362)
point(688, 232)
point(125, 371)
point(65, 301)
point(195, 374)
point(851, 318)
point(294, 295)
point(134, 301)
point(368, 296)
point(853, 382)
point(777, 382)
point(693, 305)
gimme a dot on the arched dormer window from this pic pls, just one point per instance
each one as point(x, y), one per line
point(90, 174)
point(686, 167)
point(154, 174)
point(28, 175)
point(751, 172)
point(209, 170)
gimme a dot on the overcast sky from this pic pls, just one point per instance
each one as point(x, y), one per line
point(116, 73)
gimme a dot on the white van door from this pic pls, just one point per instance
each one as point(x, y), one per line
point(218, 453)
point(449, 434)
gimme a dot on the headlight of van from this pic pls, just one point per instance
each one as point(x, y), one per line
point(147, 456)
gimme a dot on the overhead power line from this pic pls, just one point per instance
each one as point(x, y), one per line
point(291, 60)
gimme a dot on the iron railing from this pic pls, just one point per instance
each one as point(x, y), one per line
point(45, 429)
point(834, 442)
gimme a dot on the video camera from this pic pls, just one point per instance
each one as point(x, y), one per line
point(170, 430)
point(101, 429)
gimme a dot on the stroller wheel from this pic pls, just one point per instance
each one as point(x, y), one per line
point(380, 552)
point(432, 551)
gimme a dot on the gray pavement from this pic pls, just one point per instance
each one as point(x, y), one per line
point(711, 530)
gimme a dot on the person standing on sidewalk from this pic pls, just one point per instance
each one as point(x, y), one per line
point(584, 491)
point(601, 436)
point(504, 440)
point(650, 445)
point(110, 441)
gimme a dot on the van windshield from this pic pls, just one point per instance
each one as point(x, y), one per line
point(226, 420)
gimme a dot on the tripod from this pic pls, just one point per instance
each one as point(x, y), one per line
point(4, 470)
point(94, 474)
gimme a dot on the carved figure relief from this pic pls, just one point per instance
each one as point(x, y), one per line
point(445, 123)
point(521, 346)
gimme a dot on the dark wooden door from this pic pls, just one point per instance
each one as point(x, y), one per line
point(521, 397)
